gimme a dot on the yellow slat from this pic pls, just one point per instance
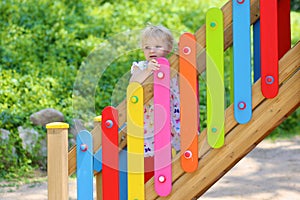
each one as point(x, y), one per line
point(135, 141)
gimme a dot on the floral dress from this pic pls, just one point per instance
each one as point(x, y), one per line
point(149, 116)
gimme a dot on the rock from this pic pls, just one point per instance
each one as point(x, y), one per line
point(4, 134)
point(29, 138)
point(34, 144)
point(46, 116)
point(43, 150)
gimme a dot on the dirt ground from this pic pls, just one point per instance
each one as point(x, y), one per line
point(270, 172)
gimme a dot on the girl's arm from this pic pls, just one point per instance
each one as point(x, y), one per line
point(139, 75)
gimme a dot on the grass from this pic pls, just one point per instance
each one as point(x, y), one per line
point(34, 180)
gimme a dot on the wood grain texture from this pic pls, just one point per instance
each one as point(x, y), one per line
point(57, 145)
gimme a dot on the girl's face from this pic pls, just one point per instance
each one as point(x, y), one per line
point(155, 48)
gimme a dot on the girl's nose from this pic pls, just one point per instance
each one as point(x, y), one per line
point(152, 49)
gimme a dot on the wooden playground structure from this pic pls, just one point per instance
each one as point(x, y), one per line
point(213, 163)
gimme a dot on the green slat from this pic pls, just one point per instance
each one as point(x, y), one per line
point(215, 77)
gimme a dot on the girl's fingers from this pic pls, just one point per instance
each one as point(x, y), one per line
point(154, 66)
point(154, 61)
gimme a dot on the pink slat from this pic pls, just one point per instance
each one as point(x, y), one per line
point(162, 129)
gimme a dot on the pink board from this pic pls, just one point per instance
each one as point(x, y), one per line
point(162, 129)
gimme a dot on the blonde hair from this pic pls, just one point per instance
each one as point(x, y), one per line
point(157, 32)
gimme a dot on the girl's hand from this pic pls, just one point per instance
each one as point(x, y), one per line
point(153, 65)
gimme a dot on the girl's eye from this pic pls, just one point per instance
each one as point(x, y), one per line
point(148, 48)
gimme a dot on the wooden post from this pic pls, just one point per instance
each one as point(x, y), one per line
point(57, 135)
point(97, 140)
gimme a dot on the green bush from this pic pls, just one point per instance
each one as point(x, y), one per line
point(295, 5)
point(20, 96)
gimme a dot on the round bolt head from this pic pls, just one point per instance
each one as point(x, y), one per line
point(161, 179)
point(269, 80)
point(109, 123)
point(242, 105)
point(83, 147)
point(188, 154)
point(213, 24)
point(134, 99)
point(187, 50)
point(160, 75)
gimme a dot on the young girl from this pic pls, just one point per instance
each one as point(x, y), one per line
point(156, 41)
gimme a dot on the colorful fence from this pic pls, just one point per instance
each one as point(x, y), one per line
point(122, 174)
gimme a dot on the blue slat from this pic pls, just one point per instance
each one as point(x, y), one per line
point(256, 49)
point(242, 61)
point(123, 174)
point(84, 166)
point(98, 160)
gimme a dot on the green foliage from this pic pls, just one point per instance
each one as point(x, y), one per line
point(14, 162)
point(295, 5)
point(46, 44)
point(20, 96)
point(289, 128)
point(295, 27)
point(75, 56)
